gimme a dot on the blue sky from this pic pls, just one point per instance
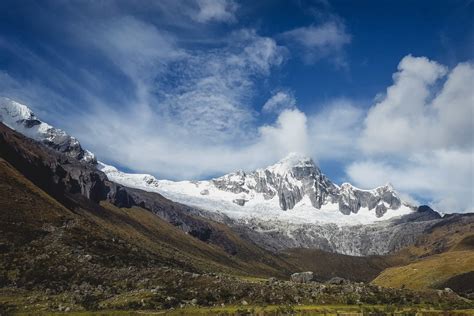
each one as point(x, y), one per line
point(374, 91)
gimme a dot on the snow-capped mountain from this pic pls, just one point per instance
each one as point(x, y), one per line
point(293, 190)
point(290, 204)
point(20, 118)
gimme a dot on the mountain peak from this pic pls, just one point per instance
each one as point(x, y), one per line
point(19, 117)
point(10, 109)
point(295, 158)
point(291, 161)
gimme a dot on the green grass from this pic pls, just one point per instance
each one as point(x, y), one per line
point(283, 310)
point(428, 272)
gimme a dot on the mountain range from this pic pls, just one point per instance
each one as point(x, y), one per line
point(69, 216)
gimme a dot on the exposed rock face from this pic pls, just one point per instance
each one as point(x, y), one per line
point(351, 199)
point(297, 176)
point(290, 180)
point(52, 171)
point(19, 117)
point(302, 277)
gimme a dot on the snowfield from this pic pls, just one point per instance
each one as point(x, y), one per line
point(205, 195)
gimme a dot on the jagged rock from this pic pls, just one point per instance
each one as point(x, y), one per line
point(299, 177)
point(302, 277)
point(240, 202)
point(233, 182)
point(380, 210)
point(351, 199)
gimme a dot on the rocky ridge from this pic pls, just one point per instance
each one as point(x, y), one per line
point(20, 118)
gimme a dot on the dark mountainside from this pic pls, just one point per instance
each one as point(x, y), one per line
point(72, 240)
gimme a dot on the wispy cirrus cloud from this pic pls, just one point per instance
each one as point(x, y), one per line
point(189, 105)
point(325, 40)
point(216, 10)
point(279, 101)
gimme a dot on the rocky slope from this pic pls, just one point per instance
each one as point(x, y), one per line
point(77, 184)
point(357, 240)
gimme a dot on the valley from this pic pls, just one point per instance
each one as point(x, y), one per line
point(79, 237)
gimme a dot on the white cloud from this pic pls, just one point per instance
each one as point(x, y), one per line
point(200, 94)
point(258, 53)
point(320, 41)
point(125, 139)
point(414, 116)
point(290, 134)
point(137, 48)
point(191, 116)
point(187, 112)
point(211, 91)
point(334, 129)
point(279, 101)
point(216, 10)
point(445, 177)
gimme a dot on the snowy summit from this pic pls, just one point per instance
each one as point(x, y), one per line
point(293, 190)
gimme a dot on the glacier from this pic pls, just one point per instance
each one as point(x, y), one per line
point(293, 190)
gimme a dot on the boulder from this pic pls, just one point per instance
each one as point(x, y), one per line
point(302, 277)
point(337, 281)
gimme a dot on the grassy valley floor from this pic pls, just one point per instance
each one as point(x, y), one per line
point(328, 310)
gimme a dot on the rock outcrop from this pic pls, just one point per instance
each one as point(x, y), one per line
point(302, 277)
